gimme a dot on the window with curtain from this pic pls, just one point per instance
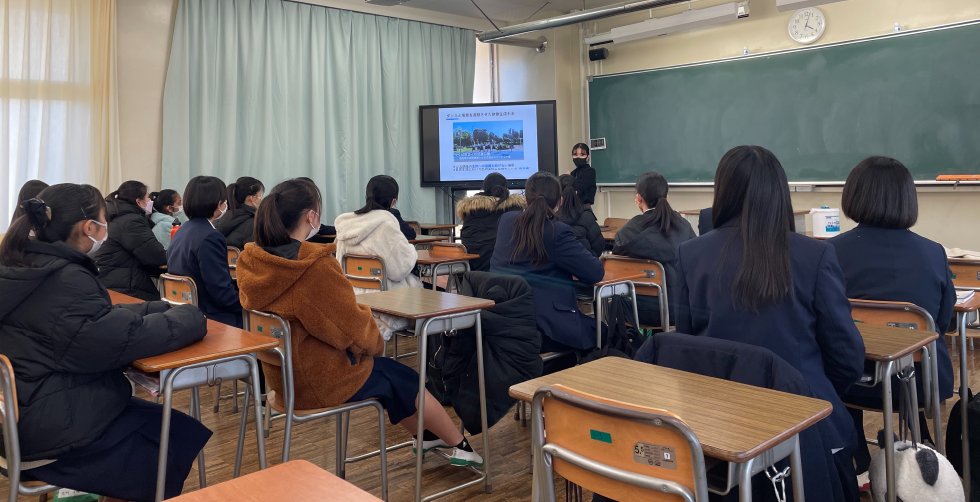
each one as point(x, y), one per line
point(276, 89)
point(57, 87)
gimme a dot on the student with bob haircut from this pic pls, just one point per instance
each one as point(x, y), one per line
point(654, 234)
point(244, 197)
point(535, 245)
point(334, 342)
point(572, 212)
point(28, 191)
point(80, 427)
point(754, 280)
point(199, 251)
point(883, 260)
point(479, 215)
point(132, 257)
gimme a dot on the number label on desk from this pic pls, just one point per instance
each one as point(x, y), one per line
point(906, 325)
point(656, 455)
point(605, 437)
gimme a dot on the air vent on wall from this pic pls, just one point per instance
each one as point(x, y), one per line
point(386, 3)
point(597, 144)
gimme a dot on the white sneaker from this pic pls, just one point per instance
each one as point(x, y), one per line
point(463, 458)
point(428, 446)
point(864, 482)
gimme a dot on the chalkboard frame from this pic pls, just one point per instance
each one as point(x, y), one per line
point(904, 33)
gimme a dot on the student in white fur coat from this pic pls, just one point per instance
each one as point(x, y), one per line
point(374, 230)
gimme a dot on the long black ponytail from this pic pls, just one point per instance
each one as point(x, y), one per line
point(28, 191)
point(652, 188)
point(543, 192)
point(52, 216)
point(495, 185)
point(571, 205)
point(282, 209)
point(129, 192)
point(240, 190)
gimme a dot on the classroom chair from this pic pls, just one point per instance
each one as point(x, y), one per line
point(614, 224)
point(654, 457)
point(966, 275)
point(9, 415)
point(449, 250)
point(369, 272)
point(911, 316)
point(264, 323)
point(654, 285)
point(415, 226)
point(233, 254)
point(177, 289)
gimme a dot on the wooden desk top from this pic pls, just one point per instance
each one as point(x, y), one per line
point(968, 306)
point(609, 235)
point(963, 261)
point(436, 226)
point(426, 258)
point(734, 422)
point(420, 239)
point(619, 276)
point(221, 341)
point(884, 343)
point(418, 303)
point(697, 212)
point(297, 480)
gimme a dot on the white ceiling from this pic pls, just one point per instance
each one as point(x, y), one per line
point(507, 11)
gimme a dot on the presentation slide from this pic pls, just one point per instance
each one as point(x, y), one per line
point(475, 141)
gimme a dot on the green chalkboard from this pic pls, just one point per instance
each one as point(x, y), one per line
point(914, 96)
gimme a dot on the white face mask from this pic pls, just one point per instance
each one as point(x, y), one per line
point(148, 208)
point(313, 230)
point(223, 211)
point(178, 210)
point(97, 244)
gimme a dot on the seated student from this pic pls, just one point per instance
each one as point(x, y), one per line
point(236, 225)
point(80, 427)
point(479, 214)
point(374, 230)
point(654, 235)
point(584, 175)
point(334, 342)
point(166, 208)
point(704, 221)
point(533, 244)
point(883, 260)
point(754, 280)
point(132, 256)
point(572, 213)
point(199, 251)
point(28, 191)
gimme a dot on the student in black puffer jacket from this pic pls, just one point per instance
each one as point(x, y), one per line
point(479, 215)
point(69, 345)
point(573, 213)
point(132, 256)
point(654, 235)
point(238, 222)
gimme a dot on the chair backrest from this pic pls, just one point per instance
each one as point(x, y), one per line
point(415, 226)
point(894, 314)
point(7, 384)
point(614, 224)
point(264, 323)
point(655, 283)
point(233, 253)
point(966, 273)
point(447, 249)
point(624, 452)
point(11, 439)
point(365, 271)
point(177, 289)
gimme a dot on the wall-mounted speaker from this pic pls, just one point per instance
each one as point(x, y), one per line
point(598, 54)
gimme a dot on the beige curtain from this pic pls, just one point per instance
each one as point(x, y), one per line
point(58, 104)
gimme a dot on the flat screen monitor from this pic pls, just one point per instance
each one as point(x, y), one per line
point(461, 144)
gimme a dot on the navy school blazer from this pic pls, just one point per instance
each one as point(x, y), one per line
point(555, 306)
point(812, 329)
point(199, 251)
point(898, 265)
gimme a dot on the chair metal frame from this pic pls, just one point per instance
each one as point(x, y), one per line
point(544, 481)
point(11, 437)
point(341, 412)
point(162, 283)
point(233, 262)
point(453, 268)
point(661, 289)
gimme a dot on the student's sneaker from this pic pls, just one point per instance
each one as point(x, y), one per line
point(864, 482)
point(429, 445)
point(463, 458)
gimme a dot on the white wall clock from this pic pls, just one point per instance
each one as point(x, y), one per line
point(807, 25)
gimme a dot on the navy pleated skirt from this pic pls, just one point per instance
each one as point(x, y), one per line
point(123, 462)
point(393, 384)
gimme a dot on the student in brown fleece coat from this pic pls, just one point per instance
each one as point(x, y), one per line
point(334, 340)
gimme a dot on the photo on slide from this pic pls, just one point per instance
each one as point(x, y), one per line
point(494, 140)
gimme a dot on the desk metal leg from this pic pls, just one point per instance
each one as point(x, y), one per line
point(196, 413)
point(257, 392)
point(964, 399)
point(914, 419)
point(886, 396)
point(168, 394)
point(937, 419)
point(422, 353)
point(597, 308)
point(745, 481)
point(488, 483)
point(796, 468)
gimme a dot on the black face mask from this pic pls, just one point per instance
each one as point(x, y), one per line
point(580, 161)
